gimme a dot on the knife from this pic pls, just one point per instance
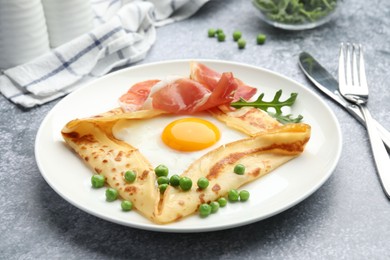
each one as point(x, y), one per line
point(324, 81)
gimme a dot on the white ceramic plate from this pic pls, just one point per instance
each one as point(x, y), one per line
point(274, 193)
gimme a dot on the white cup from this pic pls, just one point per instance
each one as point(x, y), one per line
point(23, 32)
point(67, 19)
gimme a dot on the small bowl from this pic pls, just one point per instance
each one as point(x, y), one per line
point(306, 14)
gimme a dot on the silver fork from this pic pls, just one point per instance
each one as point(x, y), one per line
point(353, 86)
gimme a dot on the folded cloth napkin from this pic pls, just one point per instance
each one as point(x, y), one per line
point(124, 32)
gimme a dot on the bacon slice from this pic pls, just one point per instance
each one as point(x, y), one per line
point(178, 95)
point(188, 96)
point(136, 96)
point(209, 78)
point(205, 89)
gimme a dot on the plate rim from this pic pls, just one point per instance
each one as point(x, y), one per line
point(164, 228)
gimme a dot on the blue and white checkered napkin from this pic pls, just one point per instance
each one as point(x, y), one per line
point(124, 33)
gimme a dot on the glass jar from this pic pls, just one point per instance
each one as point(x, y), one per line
point(296, 14)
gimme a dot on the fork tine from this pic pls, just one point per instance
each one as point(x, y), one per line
point(345, 74)
point(348, 63)
point(352, 76)
point(342, 76)
point(362, 70)
point(355, 71)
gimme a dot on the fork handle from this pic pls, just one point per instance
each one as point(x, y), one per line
point(381, 157)
point(355, 111)
point(384, 134)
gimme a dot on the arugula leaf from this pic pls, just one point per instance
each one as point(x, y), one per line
point(264, 105)
point(275, 103)
point(286, 119)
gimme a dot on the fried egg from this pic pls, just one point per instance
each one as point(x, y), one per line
point(190, 134)
point(148, 134)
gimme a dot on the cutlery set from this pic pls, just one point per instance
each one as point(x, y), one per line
point(351, 92)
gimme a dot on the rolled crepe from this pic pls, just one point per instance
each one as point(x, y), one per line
point(92, 139)
point(259, 154)
point(271, 145)
point(249, 120)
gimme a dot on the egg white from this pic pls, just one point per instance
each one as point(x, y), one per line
point(145, 134)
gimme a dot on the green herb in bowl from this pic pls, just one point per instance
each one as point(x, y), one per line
point(296, 14)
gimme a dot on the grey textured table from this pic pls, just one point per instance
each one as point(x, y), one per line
point(347, 218)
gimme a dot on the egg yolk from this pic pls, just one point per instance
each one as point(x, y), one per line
point(190, 134)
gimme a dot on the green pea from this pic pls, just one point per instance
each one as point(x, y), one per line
point(163, 187)
point(233, 195)
point(218, 31)
point(97, 181)
point(236, 35)
point(203, 183)
point(126, 205)
point(222, 202)
point(111, 194)
point(204, 210)
point(214, 206)
point(174, 180)
point(241, 43)
point(161, 170)
point(211, 32)
point(130, 176)
point(221, 37)
point(244, 195)
point(239, 169)
point(261, 38)
point(162, 180)
point(185, 183)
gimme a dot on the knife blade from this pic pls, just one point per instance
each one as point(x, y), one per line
point(325, 82)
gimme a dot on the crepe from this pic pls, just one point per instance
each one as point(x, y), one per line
point(270, 146)
point(92, 139)
point(259, 154)
point(249, 120)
